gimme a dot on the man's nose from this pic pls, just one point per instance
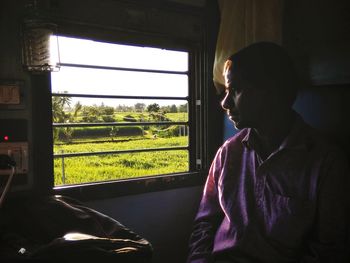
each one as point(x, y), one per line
point(227, 102)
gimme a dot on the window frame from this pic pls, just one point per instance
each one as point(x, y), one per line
point(103, 189)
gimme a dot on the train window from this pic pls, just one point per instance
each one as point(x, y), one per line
point(119, 112)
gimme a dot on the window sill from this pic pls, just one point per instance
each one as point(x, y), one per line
point(110, 189)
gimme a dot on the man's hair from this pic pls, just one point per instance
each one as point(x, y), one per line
point(265, 65)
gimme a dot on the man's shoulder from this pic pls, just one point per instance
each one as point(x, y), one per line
point(236, 140)
point(320, 141)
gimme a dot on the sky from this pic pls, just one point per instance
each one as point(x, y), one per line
point(113, 82)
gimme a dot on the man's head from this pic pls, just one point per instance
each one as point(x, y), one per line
point(260, 80)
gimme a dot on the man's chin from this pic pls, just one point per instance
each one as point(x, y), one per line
point(237, 124)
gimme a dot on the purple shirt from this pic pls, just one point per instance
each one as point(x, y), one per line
point(288, 208)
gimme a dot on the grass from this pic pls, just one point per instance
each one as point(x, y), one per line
point(138, 143)
point(85, 169)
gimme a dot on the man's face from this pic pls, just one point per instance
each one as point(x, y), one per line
point(244, 104)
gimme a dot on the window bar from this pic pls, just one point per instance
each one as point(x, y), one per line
point(117, 96)
point(88, 124)
point(123, 69)
point(63, 155)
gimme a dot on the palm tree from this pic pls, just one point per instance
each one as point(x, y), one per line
point(58, 106)
point(59, 103)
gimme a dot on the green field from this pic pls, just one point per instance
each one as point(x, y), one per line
point(96, 168)
point(85, 169)
point(119, 116)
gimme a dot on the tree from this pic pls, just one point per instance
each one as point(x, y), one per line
point(140, 107)
point(77, 108)
point(107, 110)
point(153, 107)
point(165, 109)
point(58, 108)
point(173, 108)
point(124, 108)
point(59, 115)
point(106, 113)
point(90, 113)
point(182, 108)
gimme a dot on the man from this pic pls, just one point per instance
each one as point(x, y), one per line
point(276, 190)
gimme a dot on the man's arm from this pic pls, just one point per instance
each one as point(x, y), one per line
point(207, 220)
point(331, 233)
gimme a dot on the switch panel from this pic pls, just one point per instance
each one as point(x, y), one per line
point(18, 151)
point(9, 94)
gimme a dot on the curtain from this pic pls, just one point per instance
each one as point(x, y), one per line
point(244, 22)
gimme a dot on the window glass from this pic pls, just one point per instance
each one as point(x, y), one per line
point(119, 112)
point(88, 52)
point(116, 82)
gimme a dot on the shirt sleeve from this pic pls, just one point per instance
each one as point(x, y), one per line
point(331, 231)
point(208, 218)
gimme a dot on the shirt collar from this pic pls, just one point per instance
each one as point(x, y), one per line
point(297, 138)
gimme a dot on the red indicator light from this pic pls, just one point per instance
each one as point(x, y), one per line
point(6, 138)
